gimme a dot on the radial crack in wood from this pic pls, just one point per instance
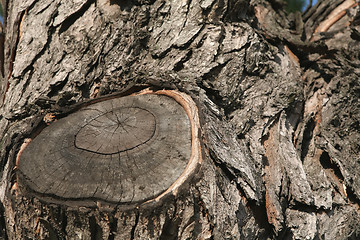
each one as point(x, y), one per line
point(126, 150)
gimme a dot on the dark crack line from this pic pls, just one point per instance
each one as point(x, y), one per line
point(51, 31)
point(70, 20)
point(186, 15)
point(13, 50)
point(132, 233)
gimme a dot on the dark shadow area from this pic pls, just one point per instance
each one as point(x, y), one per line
point(75, 16)
point(125, 5)
point(95, 229)
point(3, 234)
point(327, 163)
point(307, 136)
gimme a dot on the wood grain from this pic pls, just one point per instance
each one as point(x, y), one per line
point(122, 150)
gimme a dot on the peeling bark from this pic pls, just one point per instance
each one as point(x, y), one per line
point(278, 100)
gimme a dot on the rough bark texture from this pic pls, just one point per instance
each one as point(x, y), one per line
point(278, 98)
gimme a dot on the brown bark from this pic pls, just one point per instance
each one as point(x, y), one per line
point(277, 97)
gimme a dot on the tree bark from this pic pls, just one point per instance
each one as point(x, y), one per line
point(277, 95)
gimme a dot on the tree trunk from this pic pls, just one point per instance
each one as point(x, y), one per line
point(277, 96)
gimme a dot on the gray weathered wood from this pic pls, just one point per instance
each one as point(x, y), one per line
point(122, 150)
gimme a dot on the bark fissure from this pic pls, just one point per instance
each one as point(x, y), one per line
point(20, 18)
point(133, 228)
point(307, 137)
point(278, 102)
point(178, 66)
point(327, 163)
point(3, 234)
point(95, 229)
point(17, 33)
point(70, 20)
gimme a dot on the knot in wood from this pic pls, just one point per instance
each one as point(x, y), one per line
point(125, 150)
